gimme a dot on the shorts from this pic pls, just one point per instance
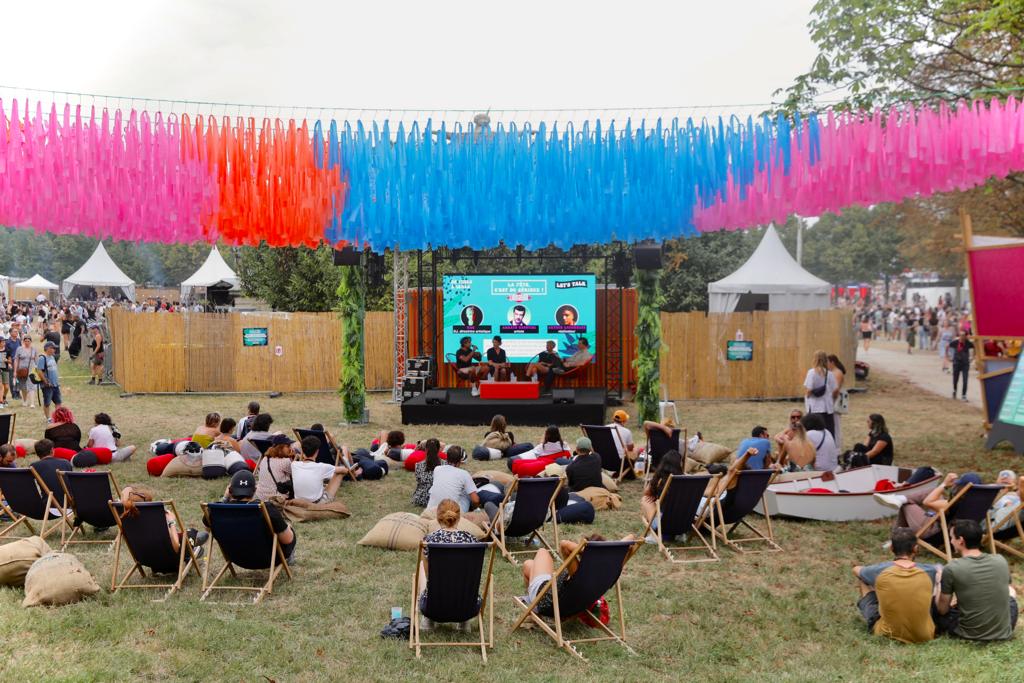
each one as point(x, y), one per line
point(865, 335)
point(51, 395)
point(5, 375)
point(868, 606)
point(546, 606)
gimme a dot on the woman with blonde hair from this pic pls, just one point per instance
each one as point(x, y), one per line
point(798, 454)
point(819, 391)
point(448, 515)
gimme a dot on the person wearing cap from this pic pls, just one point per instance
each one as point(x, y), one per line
point(915, 509)
point(1004, 507)
point(625, 440)
point(585, 469)
point(47, 365)
point(274, 474)
point(760, 441)
point(242, 489)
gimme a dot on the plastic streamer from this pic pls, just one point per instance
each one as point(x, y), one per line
point(152, 178)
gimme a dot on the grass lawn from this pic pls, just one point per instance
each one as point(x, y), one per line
point(781, 616)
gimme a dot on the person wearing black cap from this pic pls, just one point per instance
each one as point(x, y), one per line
point(241, 490)
point(47, 366)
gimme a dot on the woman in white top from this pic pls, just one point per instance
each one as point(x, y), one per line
point(551, 445)
point(838, 370)
point(819, 389)
point(102, 436)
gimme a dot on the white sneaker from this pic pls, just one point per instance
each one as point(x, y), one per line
point(475, 391)
point(891, 499)
point(533, 377)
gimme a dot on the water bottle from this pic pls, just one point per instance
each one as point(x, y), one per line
point(640, 465)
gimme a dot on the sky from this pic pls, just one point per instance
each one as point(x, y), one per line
point(386, 54)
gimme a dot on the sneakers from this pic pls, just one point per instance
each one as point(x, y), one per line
point(92, 380)
point(426, 624)
point(475, 391)
point(964, 398)
point(891, 500)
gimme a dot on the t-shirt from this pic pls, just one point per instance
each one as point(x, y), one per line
point(961, 352)
point(53, 336)
point(763, 446)
point(869, 574)
point(48, 366)
point(464, 358)
point(584, 471)
point(24, 357)
point(308, 479)
point(904, 604)
point(277, 521)
point(102, 437)
point(1002, 511)
point(826, 453)
point(625, 439)
point(552, 359)
point(496, 355)
point(884, 456)
point(545, 449)
point(980, 584)
point(265, 486)
point(47, 469)
point(823, 403)
point(65, 435)
point(453, 483)
point(581, 357)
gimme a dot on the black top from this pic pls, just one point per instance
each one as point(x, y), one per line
point(497, 355)
point(277, 520)
point(464, 357)
point(67, 435)
point(53, 336)
point(47, 469)
point(584, 471)
point(884, 457)
point(552, 359)
point(961, 352)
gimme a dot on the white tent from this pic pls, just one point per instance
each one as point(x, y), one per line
point(772, 280)
point(36, 282)
point(100, 271)
point(214, 271)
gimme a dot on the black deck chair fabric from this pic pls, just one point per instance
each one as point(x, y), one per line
point(604, 442)
point(146, 536)
point(680, 504)
point(741, 500)
point(89, 493)
point(600, 566)
point(20, 489)
point(533, 499)
point(974, 504)
point(7, 428)
point(454, 574)
point(658, 445)
point(241, 532)
point(262, 445)
point(324, 455)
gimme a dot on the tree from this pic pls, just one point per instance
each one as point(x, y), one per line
point(690, 264)
point(290, 278)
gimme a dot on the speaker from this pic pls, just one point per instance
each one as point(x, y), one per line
point(435, 397)
point(647, 256)
point(346, 256)
point(563, 396)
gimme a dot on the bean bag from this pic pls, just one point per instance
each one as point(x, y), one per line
point(25, 447)
point(20, 450)
point(397, 531)
point(64, 453)
point(90, 457)
point(601, 498)
point(214, 463)
point(57, 579)
point(235, 462)
point(155, 465)
point(419, 456)
point(707, 453)
point(16, 559)
point(503, 478)
point(179, 466)
point(486, 453)
point(531, 468)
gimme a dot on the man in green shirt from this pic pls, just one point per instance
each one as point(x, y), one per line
point(981, 584)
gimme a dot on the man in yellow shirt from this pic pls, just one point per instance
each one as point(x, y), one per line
point(896, 596)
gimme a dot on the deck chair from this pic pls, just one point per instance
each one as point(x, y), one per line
point(247, 540)
point(737, 505)
point(1003, 539)
point(145, 536)
point(7, 427)
point(458, 590)
point(86, 495)
point(326, 454)
point(676, 515)
point(600, 566)
point(658, 445)
point(534, 506)
point(25, 496)
point(970, 502)
point(606, 443)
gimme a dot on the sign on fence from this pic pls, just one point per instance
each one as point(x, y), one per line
point(739, 350)
point(254, 336)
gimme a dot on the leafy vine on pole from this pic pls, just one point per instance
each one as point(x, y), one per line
point(649, 344)
point(352, 311)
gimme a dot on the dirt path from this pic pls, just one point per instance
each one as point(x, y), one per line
point(922, 368)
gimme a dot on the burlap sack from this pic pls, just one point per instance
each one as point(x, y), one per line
point(397, 531)
point(304, 511)
point(707, 453)
point(179, 468)
point(503, 478)
point(57, 579)
point(553, 470)
point(601, 498)
point(17, 557)
point(609, 483)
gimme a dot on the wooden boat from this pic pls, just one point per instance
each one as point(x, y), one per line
point(849, 496)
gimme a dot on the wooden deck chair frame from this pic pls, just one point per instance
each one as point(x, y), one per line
point(496, 529)
point(184, 566)
point(486, 602)
point(707, 517)
point(946, 552)
point(18, 519)
point(1003, 545)
point(618, 442)
point(10, 432)
point(67, 539)
point(277, 563)
point(555, 633)
point(726, 535)
point(338, 460)
point(648, 467)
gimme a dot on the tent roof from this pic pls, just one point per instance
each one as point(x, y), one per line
point(213, 270)
point(770, 270)
point(37, 281)
point(99, 271)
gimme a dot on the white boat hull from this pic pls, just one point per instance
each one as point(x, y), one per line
point(851, 498)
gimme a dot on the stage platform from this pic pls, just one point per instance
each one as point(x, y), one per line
point(464, 409)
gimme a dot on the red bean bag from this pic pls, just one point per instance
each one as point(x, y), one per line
point(64, 453)
point(248, 461)
point(155, 465)
point(20, 450)
point(531, 468)
point(419, 456)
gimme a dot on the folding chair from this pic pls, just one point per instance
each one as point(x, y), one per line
point(145, 535)
point(739, 502)
point(1003, 539)
point(971, 502)
point(262, 445)
point(86, 495)
point(326, 454)
point(24, 496)
point(534, 506)
point(455, 574)
point(7, 427)
point(246, 539)
point(658, 444)
point(607, 444)
point(600, 564)
point(677, 515)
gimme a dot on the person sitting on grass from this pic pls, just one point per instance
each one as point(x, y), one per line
point(826, 454)
point(242, 489)
point(105, 441)
point(135, 494)
point(308, 475)
point(786, 434)
point(585, 469)
point(497, 441)
point(537, 573)
point(424, 472)
point(225, 438)
point(47, 466)
point(896, 596)
point(877, 448)
point(244, 425)
point(551, 444)
point(274, 472)
point(64, 433)
point(260, 430)
point(760, 441)
point(210, 430)
point(448, 516)
point(986, 605)
point(452, 482)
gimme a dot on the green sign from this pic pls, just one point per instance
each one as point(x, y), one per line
point(739, 350)
point(254, 336)
point(1012, 410)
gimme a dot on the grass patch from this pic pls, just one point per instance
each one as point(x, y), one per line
point(782, 616)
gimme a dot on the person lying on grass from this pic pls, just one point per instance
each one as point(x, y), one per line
point(896, 596)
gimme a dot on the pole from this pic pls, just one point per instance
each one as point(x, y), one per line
point(800, 240)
